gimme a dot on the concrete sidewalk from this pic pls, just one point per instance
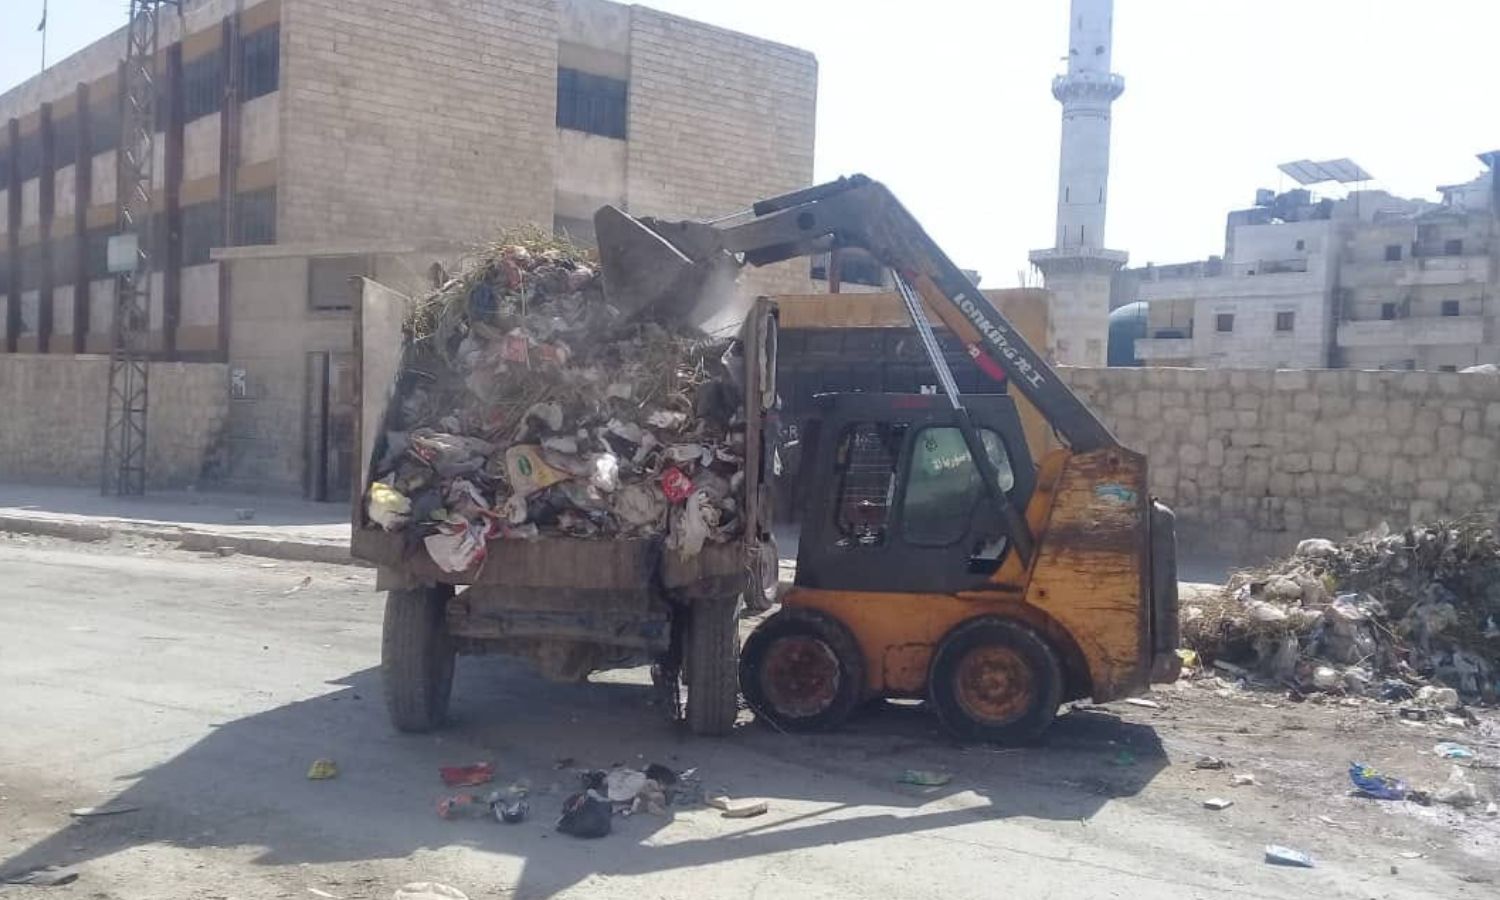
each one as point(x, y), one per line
point(275, 527)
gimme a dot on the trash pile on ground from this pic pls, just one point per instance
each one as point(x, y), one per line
point(587, 813)
point(527, 405)
point(1412, 615)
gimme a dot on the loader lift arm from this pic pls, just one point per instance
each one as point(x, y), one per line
point(859, 212)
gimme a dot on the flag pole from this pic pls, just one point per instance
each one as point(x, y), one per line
point(43, 29)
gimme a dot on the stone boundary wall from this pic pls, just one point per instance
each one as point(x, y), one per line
point(1254, 461)
point(52, 420)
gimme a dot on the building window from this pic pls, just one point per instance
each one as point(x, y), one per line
point(592, 103)
point(202, 86)
point(1392, 252)
point(30, 263)
point(29, 155)
point(96, 253)
point(1387, 311)
point(333, 281)
point(1224, 323)
point(104, 124)
point(200, 232)
point(1450, 307)
point(255, 217)
point(1301, 245)
point(64, 260)
point(1285, 320)
point(1453, 247)
point(260, 67)
point(64, 141)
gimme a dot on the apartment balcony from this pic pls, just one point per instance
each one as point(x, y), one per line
point(1423, 331)
point(1440, 270)
point(1159, 349)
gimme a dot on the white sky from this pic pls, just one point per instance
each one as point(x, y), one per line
point(948, 102)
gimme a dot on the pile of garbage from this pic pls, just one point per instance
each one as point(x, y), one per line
point(1385, 613)
point(527, 405)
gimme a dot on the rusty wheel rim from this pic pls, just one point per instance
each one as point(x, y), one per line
point(994, 685)
point(800, 676)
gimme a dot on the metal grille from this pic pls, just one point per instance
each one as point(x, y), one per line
point(124, 463)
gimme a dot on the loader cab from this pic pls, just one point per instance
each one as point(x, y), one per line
point(893, 499)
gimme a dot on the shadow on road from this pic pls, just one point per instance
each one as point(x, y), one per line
point(244, 784)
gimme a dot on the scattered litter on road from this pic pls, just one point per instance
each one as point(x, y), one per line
point(1217, 803)
point(661, 775)
point(96, 812)
point(467, 776)
point(651, 799)
point(1451, 750)
point(1209, 762)
point(1242, 780)
point(319, 892)
point(1143, 703)
point(738, 809)
point(1492, 809)
point(1411, 854)
point(322, 770)
point(511, 812)
point(1373, 784)
point(1278, 855)
point(46, 876)
point(307, 580)
point(924, 779)
point(428, 890)
point(1457, 791)
point(621, 785)
point(586, 815)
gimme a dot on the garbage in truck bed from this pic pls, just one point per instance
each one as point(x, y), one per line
point(527, 406)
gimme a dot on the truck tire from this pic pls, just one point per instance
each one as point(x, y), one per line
point(416, 658)
point(802, 671)
point(713, 647)
point(995, 680)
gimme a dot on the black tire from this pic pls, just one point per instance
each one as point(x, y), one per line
point(713, 643)
point(995, 680)
point(802, 671)
point(416, 658)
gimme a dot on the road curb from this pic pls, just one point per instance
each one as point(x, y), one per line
point(89, 531)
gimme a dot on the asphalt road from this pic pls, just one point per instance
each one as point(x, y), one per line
point(198, 691)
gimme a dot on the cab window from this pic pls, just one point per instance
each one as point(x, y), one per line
point(866, 466)
point(943, 485)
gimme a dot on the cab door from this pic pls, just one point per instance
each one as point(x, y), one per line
point(896, 504)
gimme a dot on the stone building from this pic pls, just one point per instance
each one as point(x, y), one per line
point(341, 139)
point(1369, 281)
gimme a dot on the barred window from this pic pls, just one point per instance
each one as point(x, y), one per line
point(104, 124)
point(255, 217)
point(64, 141)
point(200, 232)
point(332, 281)
point(96, 254)
point(202, 86)
point(260, 71)
point(592, 103)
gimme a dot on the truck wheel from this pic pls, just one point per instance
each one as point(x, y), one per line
point(416, 658)
point(713, 643)
point(802, 671)
point(995, 680)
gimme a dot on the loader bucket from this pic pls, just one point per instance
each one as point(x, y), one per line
point(644, 271)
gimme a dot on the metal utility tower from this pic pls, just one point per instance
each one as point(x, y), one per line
point(124, 467)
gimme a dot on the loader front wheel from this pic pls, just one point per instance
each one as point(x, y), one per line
point(416, 658)
point(713, 643)
point(802, 671)
point(995, 680)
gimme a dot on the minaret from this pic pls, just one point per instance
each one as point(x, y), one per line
point(1078, 269)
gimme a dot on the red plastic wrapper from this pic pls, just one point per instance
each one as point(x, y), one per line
point(677, 486)
point(467, 776)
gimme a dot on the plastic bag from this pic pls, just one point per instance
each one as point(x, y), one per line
point(1374, 784)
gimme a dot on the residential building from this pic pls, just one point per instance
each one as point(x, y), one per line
point(345, 135)
point(1369, 281)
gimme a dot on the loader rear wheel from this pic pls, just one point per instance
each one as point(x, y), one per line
point(995, 680)
point(416, 658)
point(713, 643)
point(802, 671)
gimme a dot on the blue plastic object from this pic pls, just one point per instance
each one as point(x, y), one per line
point(1374, 784)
